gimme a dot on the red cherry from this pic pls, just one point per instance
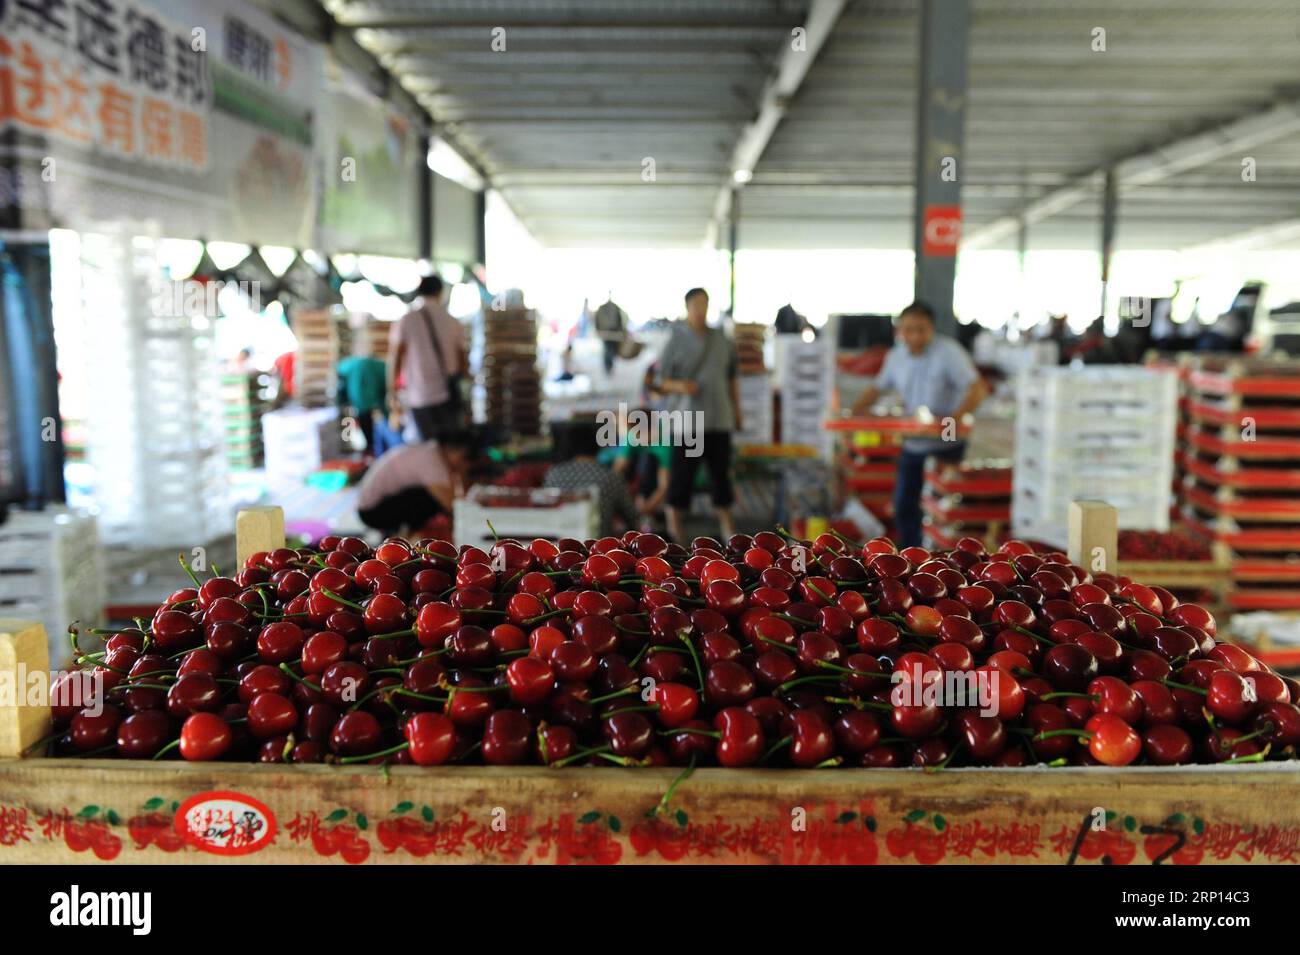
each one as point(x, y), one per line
point(531, 680)
point(321, 649)
point(435, 622)
point(678, 704)
point(741, 741)
point(204, 736)
point(270, 714)
point(355, 734)
point(812, 741)
point(1167, 745)
point(432, 738)
point(1114, 742)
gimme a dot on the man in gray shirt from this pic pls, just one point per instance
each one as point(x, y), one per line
point(697, 370)
point(931, 372)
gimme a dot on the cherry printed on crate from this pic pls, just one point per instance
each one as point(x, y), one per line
point(758, 651)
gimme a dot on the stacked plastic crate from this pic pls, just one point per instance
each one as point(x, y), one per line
point(1241, 456)
point(1100, 433)
point(244, 397)
point(52, 570)
point(754, 385)
point(805, 375)
point(153, 417)
point(969, 500)
point(510, 379)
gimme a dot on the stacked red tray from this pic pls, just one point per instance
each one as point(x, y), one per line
point(1241, 465)
point(967, 501)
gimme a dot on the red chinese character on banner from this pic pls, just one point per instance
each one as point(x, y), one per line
point(40, 107)
point(74, 120)
point(156, 124)
point(192, 132)
point(117, 118)
point(7, 108)
point(13, 825)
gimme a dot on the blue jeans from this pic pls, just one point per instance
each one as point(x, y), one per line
point(907, 490)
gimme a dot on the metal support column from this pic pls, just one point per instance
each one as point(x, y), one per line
point(480, 219)
point(1109, 214)
point(733, 220)
point(941, 122)
point(425, 202)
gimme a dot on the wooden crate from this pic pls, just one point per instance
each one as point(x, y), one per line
point(74, 810)
point(69, 810)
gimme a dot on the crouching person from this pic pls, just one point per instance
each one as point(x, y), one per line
point(410, 485)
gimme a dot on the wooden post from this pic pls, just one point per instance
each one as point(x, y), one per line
point(23, 652)
point(1094, 536)
point(257, 529)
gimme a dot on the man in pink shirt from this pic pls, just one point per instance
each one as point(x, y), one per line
point(427, 351)
point(413, 483)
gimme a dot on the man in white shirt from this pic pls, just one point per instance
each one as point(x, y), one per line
point(933, 372)
point(427, 352)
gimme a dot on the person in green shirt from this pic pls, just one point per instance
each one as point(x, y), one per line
point(363, 387)
point(649, 465)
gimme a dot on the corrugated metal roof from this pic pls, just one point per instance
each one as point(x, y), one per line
point(586, 90)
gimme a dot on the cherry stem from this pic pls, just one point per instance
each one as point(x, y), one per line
point(396, 633)
point(581, 754)
point(402, 691)
point(642, 652)
point(800, 681)
point(188, 570)
point(343, 600)
point(626, 691)
point(174, 744)
point(788, 618)
point(42, 742)
point(827, 665)
point(638, 633)
point(695, 658)
point(777, 643)
point(288, 671)
point(692, 730)
point(860, 704)
point(1252, 758)
point(1185, 686)
point(672, 787)
point(828, 763)
point(638, 709)
point(1048, 734)
point(365, 759)
point(543, 616)
point(946, 760)
point(1067, 693)
point(779, 744)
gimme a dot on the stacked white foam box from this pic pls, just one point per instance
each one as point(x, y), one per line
point(52, 570)
point(524, 514)
point(297, 441)
point(805, 375)
point(153, 413)
point(1102, 434)
point(755, 410)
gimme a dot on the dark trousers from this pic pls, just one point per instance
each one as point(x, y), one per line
point(907, 490)
point(413, 507)
point(433, 421)
point(366, 422)
point(715, 452)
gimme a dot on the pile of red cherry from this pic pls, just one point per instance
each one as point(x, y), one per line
point(761, 651)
